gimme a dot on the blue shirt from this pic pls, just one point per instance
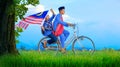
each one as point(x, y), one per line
point(57, 21)
point(48, 26)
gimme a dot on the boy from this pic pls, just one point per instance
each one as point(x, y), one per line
point(59, 23)
point(47, 29)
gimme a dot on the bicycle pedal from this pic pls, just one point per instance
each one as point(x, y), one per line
point(46, 48)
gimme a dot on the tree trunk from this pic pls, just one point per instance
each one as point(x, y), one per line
point(7, 22)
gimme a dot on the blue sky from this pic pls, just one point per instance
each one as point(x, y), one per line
point(98, 19)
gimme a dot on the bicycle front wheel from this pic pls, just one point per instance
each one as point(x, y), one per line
point(83, 45)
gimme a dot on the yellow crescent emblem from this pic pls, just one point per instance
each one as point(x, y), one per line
point(40, 14)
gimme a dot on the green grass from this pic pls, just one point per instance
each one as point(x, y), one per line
point(49, 59)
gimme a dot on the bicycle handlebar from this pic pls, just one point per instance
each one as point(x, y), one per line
point(73, 26)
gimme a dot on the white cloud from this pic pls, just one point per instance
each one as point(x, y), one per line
point(29, 6)
point(72, 19)
point(40, 8)
point(66, 17)
point(35, 9)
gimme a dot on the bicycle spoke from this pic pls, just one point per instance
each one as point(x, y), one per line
point(83, 45)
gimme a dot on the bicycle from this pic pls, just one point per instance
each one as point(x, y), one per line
point(78, 44)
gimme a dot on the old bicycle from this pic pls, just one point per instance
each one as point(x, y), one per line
point(78, 43)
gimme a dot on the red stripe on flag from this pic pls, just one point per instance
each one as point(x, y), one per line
point(26, 26)
point(21, 24)
point(33, 18)
point(32, 22)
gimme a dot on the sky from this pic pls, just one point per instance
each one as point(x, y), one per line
point(97, 19)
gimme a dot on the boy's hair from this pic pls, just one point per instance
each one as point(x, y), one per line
point(60, 8)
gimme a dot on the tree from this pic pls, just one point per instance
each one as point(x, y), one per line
point(10, 11)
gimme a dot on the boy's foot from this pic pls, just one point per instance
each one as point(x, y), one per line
point(44, 44)
point(62, 50)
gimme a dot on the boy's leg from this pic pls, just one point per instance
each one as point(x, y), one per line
point(66, 34)
point(63, 37)
point(53, 39)
point(62, 40)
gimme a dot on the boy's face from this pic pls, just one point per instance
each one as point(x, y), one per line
point(62, 11)
point(47, 18)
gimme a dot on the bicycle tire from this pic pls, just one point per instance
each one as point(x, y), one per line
point(51, 47)
point(81, 49)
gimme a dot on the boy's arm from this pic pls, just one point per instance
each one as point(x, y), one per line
point(52, 15)
point(60, 21)
point(51, 19)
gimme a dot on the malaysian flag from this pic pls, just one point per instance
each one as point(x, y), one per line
point(32, 19)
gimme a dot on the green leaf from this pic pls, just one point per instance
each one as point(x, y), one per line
point(17, 34)
point(19, 29)
point(17, 41)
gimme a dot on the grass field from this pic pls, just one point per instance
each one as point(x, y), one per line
point(49, 59)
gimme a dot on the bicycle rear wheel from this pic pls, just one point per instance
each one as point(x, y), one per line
point(51, 48)
point(83, 45)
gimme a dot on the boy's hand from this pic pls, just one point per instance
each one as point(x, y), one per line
point(43, 28)
point(52, 11)
point(70, 24)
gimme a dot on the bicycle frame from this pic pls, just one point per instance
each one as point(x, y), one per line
point(75, 36)
point(71, 39)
